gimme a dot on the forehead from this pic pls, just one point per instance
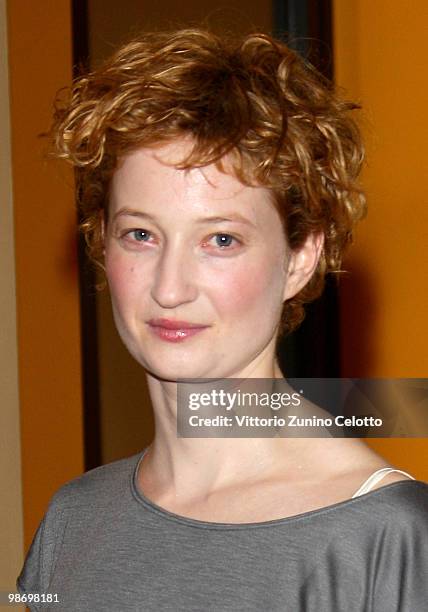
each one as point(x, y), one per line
point(147, 178)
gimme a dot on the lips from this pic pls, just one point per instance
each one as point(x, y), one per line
point(174, 324)
point(173, 330)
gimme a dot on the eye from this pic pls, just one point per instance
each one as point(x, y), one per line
point(223, 240)
point(139, 235)
point(135, 238)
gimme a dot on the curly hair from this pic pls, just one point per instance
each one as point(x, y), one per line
point(252, 98)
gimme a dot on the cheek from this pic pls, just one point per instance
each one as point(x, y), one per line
point(250, 289)
point(121, 276)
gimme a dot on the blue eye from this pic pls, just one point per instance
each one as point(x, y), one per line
point(140, 235)
point(223, 240)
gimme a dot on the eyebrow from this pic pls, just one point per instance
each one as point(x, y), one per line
point(232, 218)
point(128, 212)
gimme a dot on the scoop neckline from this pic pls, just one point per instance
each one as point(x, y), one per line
point(185, 520)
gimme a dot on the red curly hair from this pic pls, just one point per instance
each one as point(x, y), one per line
point(253, 98)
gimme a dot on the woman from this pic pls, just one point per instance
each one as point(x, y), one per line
point(218, 186)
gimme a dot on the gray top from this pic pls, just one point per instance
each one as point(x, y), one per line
point(102, 545)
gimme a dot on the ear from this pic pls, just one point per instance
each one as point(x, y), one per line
point(302, 264)
point(102, 229)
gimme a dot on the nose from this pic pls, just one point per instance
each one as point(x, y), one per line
point(174, 280)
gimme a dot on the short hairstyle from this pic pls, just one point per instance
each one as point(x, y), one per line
point(250, 97)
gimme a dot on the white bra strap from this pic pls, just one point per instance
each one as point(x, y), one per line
point(376, 477)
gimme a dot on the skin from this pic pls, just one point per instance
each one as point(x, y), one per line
point(201, 247)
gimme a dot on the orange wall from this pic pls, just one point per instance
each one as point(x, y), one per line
point(11, 516)
point(380, 59)
point(46, 268)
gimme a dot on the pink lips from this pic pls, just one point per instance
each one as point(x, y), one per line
point(173, 330)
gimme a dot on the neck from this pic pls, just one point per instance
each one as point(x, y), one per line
point(189, 467)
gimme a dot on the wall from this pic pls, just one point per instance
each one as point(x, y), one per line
point(109, 27)
point(380, 60)
point(47, 295)
point(11, 519)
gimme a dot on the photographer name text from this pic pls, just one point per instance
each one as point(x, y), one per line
point(291, 420)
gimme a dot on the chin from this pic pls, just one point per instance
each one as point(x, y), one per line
point(173, 370)
point(179, 374)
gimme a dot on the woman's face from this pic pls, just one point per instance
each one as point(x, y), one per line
point(197, 267)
